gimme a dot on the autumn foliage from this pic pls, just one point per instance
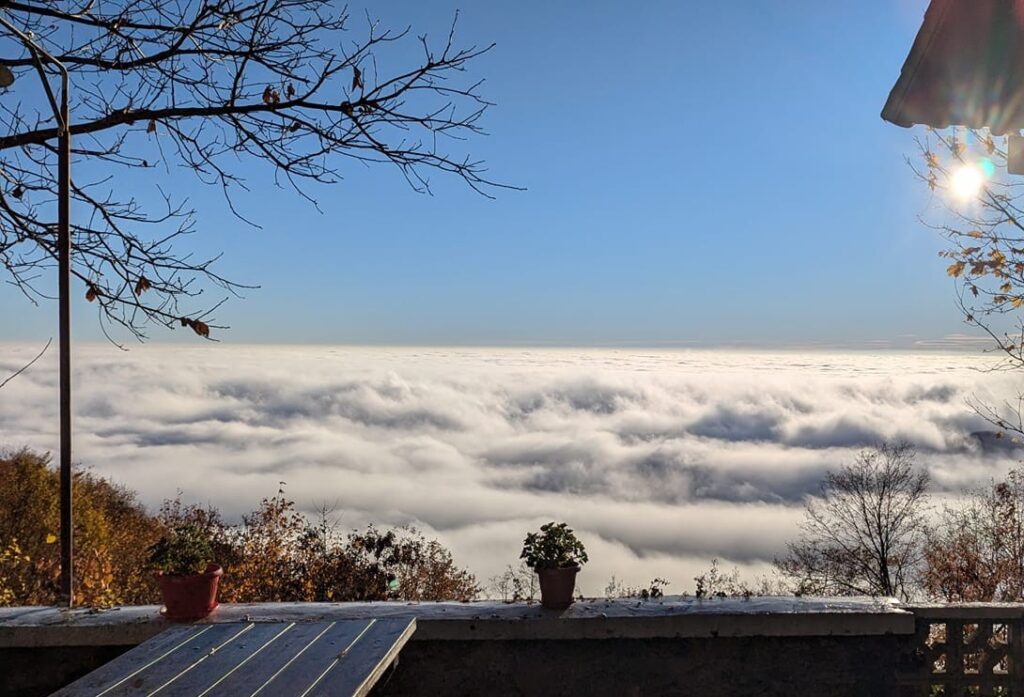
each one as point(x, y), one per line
point(274, 554)
point(112, 532)
point(977, 552)
point(874, 532)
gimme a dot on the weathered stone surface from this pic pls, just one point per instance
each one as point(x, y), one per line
point(594, 619)
point(841, 648)
point(723, 667)
point(35, 672)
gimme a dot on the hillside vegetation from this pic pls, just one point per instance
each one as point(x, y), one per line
point(274, 554)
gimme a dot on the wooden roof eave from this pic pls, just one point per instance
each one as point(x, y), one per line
point(893, 111)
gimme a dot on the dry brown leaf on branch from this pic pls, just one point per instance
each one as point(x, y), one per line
point(199, 327)
point(357, 78)
point(270, 95)
point(151, 128)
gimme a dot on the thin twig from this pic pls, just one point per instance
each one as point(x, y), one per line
point(28, 365)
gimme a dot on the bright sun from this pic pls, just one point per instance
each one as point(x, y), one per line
point(966, 182)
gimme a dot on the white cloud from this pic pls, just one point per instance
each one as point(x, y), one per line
point(661, 460)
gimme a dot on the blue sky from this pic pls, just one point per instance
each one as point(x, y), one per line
point(695, 172)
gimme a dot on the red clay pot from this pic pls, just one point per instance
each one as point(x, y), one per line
point(557, 586)
point(189, 597)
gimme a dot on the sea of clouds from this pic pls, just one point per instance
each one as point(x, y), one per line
point(660, 459)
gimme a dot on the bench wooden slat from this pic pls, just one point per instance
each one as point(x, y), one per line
point(271, 659)
point(344, 657)
point(146, 675)
point(298, 675)
point(133, 660)
point(232, 657)
point(358, 670)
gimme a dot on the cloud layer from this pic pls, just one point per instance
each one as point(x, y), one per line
point(661, 460)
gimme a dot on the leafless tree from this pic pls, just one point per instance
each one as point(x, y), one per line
point(863, 535)
point(202, 89)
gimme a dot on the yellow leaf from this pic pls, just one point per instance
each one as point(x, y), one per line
point(976, 234)
point(51, 538)
point(955, 269)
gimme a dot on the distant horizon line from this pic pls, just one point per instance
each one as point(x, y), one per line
point(956, 343)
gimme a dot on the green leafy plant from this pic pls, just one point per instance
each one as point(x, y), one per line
point(184, 551)
point(554, 547)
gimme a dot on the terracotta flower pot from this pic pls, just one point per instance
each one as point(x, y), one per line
point(189, 597)
point(557, 586)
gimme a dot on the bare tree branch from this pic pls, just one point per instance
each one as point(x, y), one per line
point(28, 365)
point(210, 89)
point(986, 252)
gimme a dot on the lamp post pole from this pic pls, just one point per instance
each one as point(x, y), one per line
point(64, 303)
point(63, 116)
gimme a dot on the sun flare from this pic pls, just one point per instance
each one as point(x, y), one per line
point(966, 182)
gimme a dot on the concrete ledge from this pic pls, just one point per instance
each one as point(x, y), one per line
point(670, 618)
point(968, 611)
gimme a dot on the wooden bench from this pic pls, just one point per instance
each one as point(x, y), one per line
point(245, 659)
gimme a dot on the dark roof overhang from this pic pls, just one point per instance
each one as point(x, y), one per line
point(966, 68)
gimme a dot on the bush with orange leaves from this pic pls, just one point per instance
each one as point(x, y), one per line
point(976, 553)
point(111, 530)
point(277, 554)
point(274, 554)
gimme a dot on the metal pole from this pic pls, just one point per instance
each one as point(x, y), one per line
point(63, 115)
point(64, 301)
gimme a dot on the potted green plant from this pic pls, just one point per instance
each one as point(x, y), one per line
point(556, 554)
point(186, 573)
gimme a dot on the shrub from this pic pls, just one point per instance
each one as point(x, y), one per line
point(112, 533)
point(976, 551)
point(654, 590)
point(274, 554)
point(554, 547)
point(183, 551)
point(515, 584)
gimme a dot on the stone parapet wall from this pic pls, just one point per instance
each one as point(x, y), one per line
point(676, 646)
